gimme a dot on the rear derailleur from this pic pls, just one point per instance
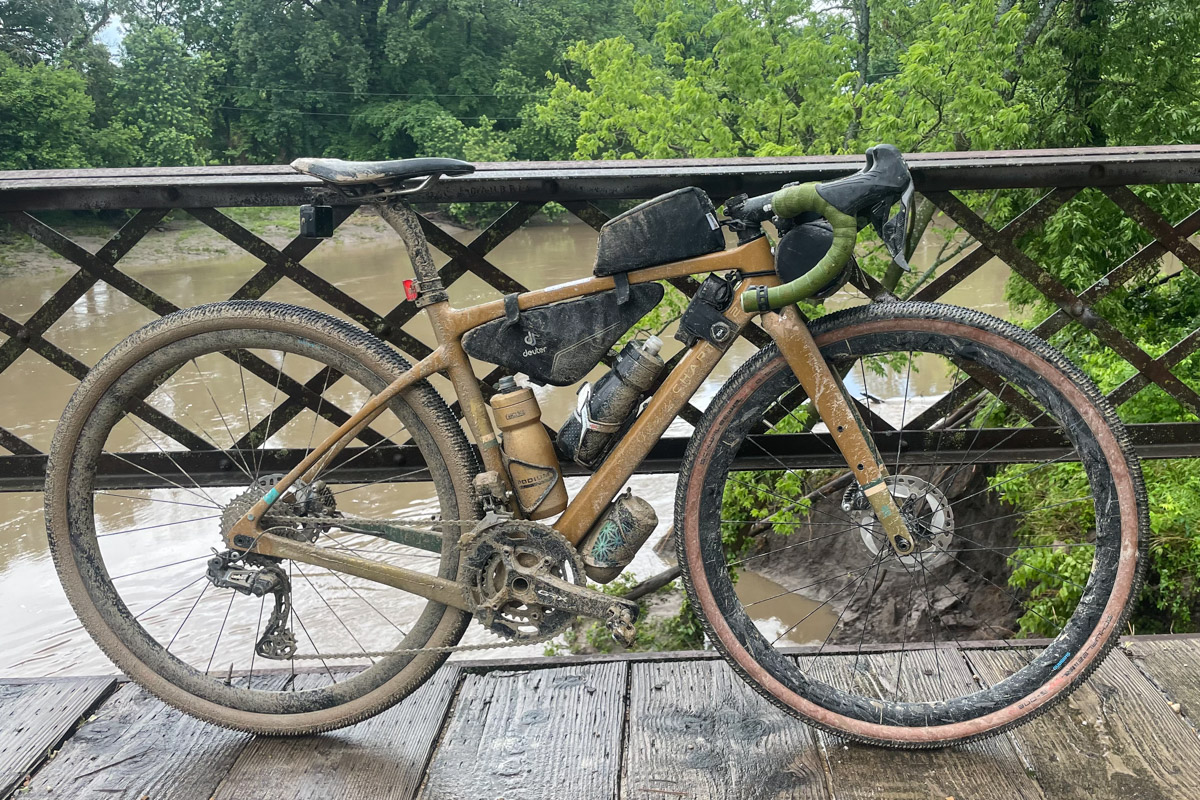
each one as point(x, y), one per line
point(259, 576)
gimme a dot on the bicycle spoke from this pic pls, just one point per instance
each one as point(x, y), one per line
point(336, 616)
point(1022, 563)
point(221, 630)
point(824, 603)
point(316, 650)
point(808, 586)
point(262, 604)
point(370, 605)
point(842, 613)
point(162, 566)
point(203, 496)
point(741, 561)
point(159, 525)
point(866, 616)
point(232, 439)
point(178, 591)
point(155, 500)
point(188, 616)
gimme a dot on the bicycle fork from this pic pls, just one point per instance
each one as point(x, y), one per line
point(837, 411)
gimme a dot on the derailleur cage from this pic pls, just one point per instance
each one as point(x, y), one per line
point(258, 577)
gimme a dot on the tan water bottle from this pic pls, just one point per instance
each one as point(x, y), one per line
point(528, 452)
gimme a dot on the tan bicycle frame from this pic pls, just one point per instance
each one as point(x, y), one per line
point(449, 326)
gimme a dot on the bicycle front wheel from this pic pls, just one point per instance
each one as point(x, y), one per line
point(170, 439)
point(1016, 477)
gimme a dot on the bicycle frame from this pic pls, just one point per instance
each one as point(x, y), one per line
point(450, 324)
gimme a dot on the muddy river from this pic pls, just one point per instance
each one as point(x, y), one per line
point(38, 629)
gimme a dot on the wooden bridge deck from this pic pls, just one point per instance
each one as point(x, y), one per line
point(638, 727)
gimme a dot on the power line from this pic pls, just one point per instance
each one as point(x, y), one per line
point(371, 94)
point(336, 114)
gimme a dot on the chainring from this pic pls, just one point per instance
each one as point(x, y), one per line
point(489, 575)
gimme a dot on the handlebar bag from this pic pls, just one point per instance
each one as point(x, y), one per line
point(671, 227)
point(559, 344)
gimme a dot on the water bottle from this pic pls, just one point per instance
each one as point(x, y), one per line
point(603, 410)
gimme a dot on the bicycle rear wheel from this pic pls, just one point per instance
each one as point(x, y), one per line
point(188, 414)
point(1032, 539)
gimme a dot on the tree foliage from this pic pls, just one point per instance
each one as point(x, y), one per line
point(231, 81)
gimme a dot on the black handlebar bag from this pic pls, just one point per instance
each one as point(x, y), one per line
point(559, 344)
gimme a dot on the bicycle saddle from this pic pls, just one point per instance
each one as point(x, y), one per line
point(351, 173)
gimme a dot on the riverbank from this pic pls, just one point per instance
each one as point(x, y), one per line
point(181, 237)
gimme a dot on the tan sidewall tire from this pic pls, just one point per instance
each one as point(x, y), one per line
point(942, 320)
point(444, 433)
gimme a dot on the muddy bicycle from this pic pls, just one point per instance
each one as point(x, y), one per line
point(293, 590)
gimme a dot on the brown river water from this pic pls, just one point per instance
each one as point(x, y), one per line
point(38, 630)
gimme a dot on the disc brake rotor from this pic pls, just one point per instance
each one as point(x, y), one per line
point(927, 513)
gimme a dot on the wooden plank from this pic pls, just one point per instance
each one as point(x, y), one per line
point(134, 747)
point(1114, 737)
point(532, 734)
point(696, 729)
point(991, 768)
point(36, 717)
point(381, 758)
point(1171, 664)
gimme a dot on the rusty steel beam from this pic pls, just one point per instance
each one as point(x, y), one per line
point(22, 473)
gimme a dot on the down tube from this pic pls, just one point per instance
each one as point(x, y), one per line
point(646, 430)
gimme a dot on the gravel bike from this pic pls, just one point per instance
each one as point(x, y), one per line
point(256, 556)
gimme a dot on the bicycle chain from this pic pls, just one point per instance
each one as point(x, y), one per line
point(276, 519)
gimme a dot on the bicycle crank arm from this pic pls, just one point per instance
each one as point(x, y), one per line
point(617, 614)
point(837, 411)
point(430, 587)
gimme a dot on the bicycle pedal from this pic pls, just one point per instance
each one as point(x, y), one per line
point(620, 626)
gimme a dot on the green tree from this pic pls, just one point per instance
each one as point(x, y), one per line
point(44, 31)
point(765, 78)
point(165, 94)
point(47, 121)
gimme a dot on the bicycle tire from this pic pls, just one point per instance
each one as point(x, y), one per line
point(1038, 373)
point(99, 405)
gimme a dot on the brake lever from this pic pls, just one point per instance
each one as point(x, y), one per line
point(894, 231)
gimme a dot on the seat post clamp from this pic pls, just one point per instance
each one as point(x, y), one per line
point(430, 292)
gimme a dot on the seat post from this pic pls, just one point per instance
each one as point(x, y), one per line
point(397, 213)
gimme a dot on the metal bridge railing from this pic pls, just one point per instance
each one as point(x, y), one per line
point(579, 186)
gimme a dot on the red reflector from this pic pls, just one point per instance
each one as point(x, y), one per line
point(410, 291)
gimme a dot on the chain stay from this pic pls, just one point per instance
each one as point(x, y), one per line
point(339, 521)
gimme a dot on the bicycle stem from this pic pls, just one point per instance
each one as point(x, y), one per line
point(837, 411)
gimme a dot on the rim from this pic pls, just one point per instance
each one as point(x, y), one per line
point(245, 693)
point(1072, 667)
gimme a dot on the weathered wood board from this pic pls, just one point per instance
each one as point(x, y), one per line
point(135, 747)
point(1115, 736)
point(696, 730)
point(382, 758)
point(1173, 665)
point(988, 770)
point(36, 716)
point(532, 734)
point(654, 727)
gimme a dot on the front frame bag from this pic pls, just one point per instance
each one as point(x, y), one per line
point(559, 344)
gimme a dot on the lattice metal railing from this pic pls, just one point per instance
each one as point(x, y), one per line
point(577, 187)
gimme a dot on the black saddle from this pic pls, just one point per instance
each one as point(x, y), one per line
point(353, 173)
